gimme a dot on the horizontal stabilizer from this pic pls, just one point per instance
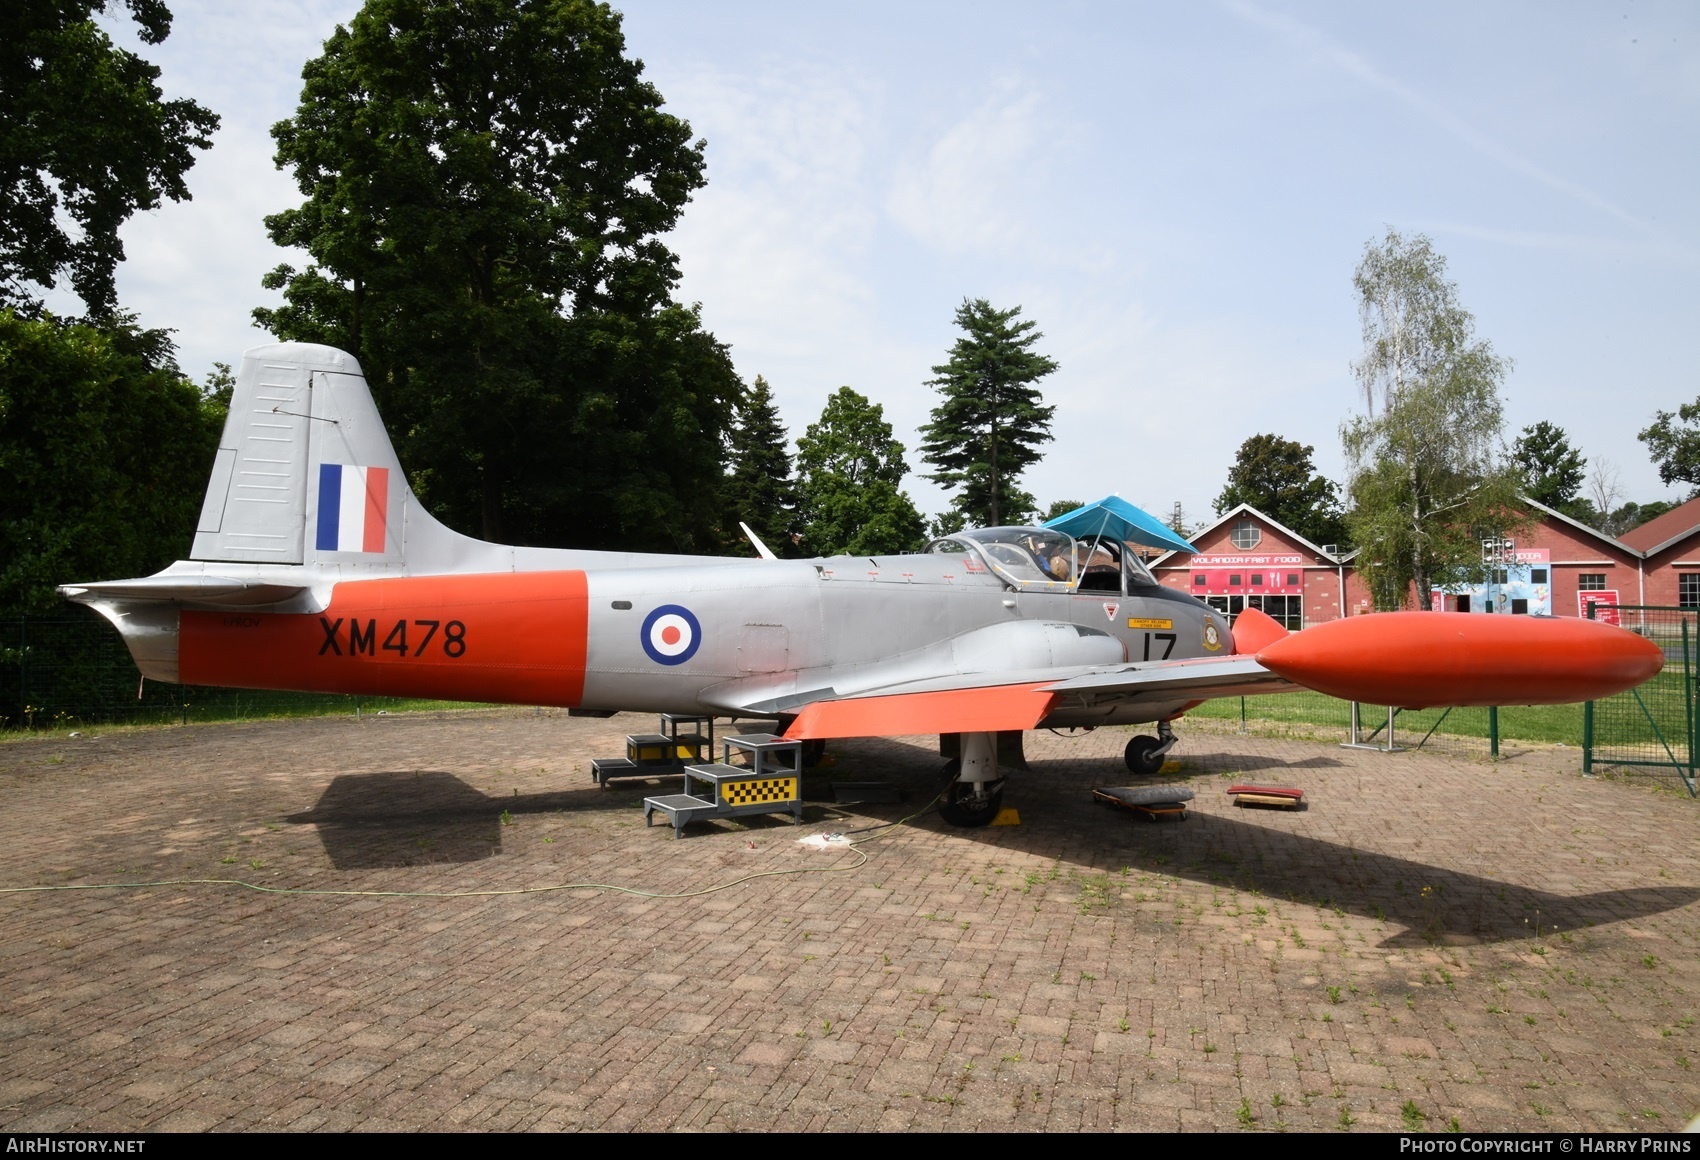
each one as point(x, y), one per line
point(187, 589)
point(897, 715)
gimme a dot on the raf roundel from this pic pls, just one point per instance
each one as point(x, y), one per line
point(670, 635)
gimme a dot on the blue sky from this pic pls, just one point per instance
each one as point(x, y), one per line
point(1176, 194)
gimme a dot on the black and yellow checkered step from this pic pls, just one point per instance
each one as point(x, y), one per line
point(757, 791)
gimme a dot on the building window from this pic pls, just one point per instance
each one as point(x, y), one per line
point(1198, 580)
point(1688, 589)
point(1539, 576)
point(1292, 580)
point(1591, 582)
point(1246, 535)
point(1234, 578)
point(1257, 579)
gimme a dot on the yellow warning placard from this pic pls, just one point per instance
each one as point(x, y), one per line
point(1146, 622)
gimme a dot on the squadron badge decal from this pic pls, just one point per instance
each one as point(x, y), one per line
point(1212, 636)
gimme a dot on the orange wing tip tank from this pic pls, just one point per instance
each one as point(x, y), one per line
point(1420, 660)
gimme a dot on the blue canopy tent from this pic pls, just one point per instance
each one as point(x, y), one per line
point(1113, 518)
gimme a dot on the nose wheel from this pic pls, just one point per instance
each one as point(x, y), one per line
point(971, 804)
point(1146, 754)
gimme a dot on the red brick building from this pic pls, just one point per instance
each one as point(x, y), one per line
point(1670, 552)
point(1246, 559)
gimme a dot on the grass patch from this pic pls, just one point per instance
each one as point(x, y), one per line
point(1304, 711)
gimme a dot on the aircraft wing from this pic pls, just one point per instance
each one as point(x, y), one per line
point(1023, 700)
point(1416, 660)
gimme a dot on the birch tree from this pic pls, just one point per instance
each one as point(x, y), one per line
point(1430, 477)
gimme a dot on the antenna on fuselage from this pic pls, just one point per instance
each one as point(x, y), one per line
point(762, 549)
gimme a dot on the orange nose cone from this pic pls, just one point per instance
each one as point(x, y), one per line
point(1417, 660)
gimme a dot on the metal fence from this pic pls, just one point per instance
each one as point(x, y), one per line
point(1473, 732)
point(74, 670)
point(1650, 728)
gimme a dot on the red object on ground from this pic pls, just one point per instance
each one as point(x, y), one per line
point(1419, 660)
point(1271, 790)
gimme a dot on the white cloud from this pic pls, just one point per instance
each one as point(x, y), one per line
point(973, 187)
point(1325, 47)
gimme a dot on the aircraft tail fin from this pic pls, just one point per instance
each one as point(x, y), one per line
point(306, 473)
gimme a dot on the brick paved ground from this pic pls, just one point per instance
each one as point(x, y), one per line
point(1086, 969)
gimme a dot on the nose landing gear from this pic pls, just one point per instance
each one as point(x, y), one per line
point(974, 794)
point(1145, 754)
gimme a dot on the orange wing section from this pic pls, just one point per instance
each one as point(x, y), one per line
point(1417, 660)
point(899, 714)
point(514, 637)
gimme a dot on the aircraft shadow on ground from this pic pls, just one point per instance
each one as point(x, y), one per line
point(1418, 902)
point(393, 819)
point(370, 821)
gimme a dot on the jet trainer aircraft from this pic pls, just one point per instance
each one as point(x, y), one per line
point(315, 568)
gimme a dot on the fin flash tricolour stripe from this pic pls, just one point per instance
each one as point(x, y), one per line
point(353, 508)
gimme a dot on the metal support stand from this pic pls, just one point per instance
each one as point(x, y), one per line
point(1359, 741)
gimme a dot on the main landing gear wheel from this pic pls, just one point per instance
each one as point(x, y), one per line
point(964, 803)
point(1141, 755)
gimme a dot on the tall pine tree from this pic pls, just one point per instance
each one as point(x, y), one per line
point(759, 490)
point(989, 427)
point(1551, 468)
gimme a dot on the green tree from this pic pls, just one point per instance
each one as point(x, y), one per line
point(1552, 470)
point(487, 185)
point(1428, 478)
point(1277, 477)
point(1059, 507)
point(86, 140)
point(989, 427)
point(104, 454)
point(849, 468)
point(759, 490)
point(1673, 441)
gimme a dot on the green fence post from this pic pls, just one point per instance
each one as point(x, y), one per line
point(1588, 720)
point(1688, 700)
point(1242, 714)
point(1493, 731)
point(1587, 738)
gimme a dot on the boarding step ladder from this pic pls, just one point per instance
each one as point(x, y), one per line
point(683, 739)
point(758, 773)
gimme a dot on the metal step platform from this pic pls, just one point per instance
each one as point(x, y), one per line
point(683, 739)
point(758, 773)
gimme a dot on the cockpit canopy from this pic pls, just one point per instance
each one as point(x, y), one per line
point(1045, 559)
